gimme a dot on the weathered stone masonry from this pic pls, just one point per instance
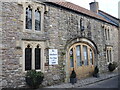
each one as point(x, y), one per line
point(60, 26)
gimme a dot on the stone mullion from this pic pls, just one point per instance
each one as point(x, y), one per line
point(33, 57)
point(33, 19)
point(23, 67)
point(24, 17)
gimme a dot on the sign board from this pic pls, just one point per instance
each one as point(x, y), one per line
point(53, 56)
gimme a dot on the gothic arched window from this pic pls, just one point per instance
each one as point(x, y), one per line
point(37, 57)
point(37, 20)
point(28, 18)
point(28, 58)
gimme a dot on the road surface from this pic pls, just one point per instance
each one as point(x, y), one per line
point(109, 83)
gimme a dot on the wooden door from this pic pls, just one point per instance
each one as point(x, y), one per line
point(81, 59)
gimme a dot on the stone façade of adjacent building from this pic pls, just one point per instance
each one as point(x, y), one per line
point(60, 29)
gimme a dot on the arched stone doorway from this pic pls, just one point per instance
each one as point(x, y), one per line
point(80, 56)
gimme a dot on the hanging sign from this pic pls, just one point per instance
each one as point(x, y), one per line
point(53, 56)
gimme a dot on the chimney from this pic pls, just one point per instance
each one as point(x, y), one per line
point(94, 7)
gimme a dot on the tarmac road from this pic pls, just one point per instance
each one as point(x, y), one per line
point(109, 83)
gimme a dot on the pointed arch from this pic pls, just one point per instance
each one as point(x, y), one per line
point(29, 17)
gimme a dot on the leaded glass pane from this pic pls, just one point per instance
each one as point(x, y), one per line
point(91, 57)
point(85, 54)
point(37, 20)
point(28, 18)
point(71, 58)
point(37, 58)
point(28, 59)
point(78, 55)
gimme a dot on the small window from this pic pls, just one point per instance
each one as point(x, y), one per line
point(37, 20)
point(78, 55)
point(106, 34)
point(28, 18)
point(91, 57)
point(109, 54)
point(37, 57)
point(71, 58)
point(28, 58)
point(82, 25)
point(85, 54)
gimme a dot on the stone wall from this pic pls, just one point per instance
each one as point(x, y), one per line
point(66, 26)
point(119, 34)
point(11, 32)
point(60, 26)
point(0, 45)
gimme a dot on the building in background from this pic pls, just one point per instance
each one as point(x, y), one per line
point(55, 37)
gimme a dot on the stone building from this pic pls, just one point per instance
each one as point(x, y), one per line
point(32, 30)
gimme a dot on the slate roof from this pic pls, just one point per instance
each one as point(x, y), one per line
point(108, 14)
point(109, 17)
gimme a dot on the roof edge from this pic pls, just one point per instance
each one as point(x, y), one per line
point(109, 14)
point(82, 12)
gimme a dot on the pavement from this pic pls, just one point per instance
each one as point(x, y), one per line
point(86, 81)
